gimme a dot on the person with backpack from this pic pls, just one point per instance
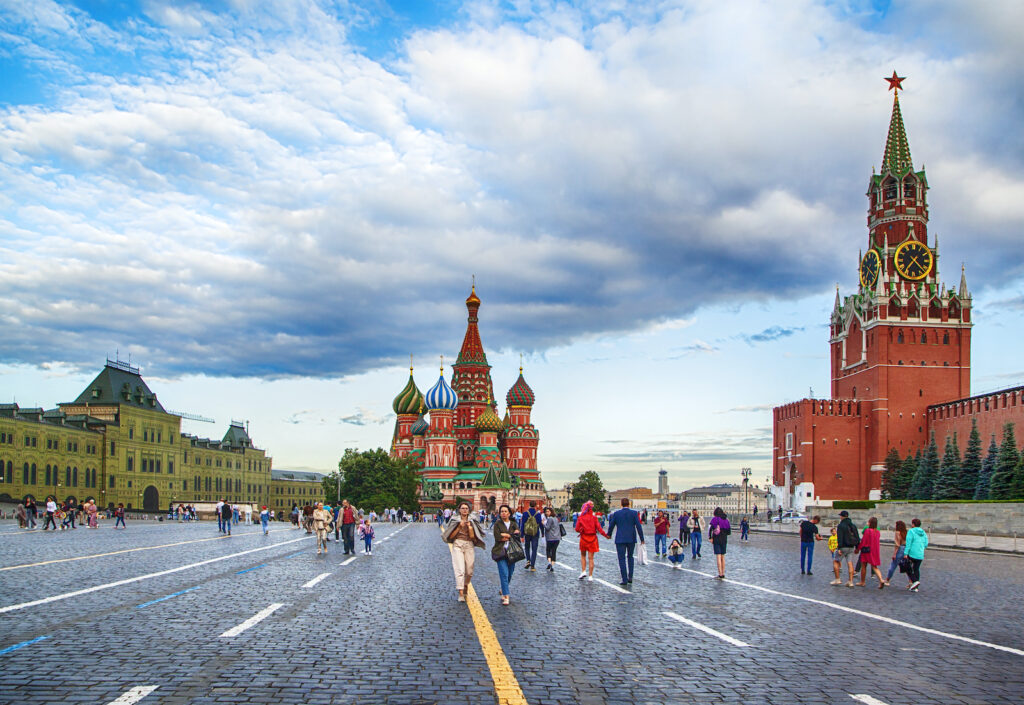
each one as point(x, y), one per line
point(225, 517)
point(718, 532)
point(265, 520)
point(696, 529)
point(848, 539)
point(917, 541)
point(553, 533)
point(529, 527)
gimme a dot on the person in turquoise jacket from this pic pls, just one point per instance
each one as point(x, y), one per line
point(917, 541)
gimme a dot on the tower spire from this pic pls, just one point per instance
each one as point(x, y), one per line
point(896, 158)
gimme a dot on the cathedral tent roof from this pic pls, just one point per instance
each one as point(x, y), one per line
point(119, 383)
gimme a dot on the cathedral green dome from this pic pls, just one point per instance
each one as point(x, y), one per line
point(409, 400)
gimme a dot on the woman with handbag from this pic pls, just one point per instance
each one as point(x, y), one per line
point(553, 533)
point(899, 537)
point(507, 549)
point(871, 553)
point(463, 534)
point(718, 531)
point(588, 526)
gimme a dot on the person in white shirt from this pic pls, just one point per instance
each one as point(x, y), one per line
point(220, 521)
point(248, 514)
point(51, 513)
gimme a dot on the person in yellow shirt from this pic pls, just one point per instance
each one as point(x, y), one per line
point(837, 556)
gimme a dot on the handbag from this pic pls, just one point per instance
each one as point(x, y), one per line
point(904, 564)
point(561, 530)
point(641, 555)
point(498, 552)
point(514, 553)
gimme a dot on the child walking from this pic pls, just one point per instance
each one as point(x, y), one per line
point(366, 532)
point(837, 556)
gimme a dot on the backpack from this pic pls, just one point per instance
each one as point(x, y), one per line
point(531, 526)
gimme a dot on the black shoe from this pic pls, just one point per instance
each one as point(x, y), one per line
point(623, 584)
point(630, 582)
point(810, 573)
point(802, 571)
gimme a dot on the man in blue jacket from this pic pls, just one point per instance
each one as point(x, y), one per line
point(531, 533)
point(624, 526)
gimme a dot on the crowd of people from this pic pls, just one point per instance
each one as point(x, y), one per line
point(861, 551)
point(69, 513)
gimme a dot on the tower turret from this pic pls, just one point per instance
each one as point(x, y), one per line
point(439, 440)
point(407, 407)
point(471, 380)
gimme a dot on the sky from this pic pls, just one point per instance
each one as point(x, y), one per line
point(269, 205)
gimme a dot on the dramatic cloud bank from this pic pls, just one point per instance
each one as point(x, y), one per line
point(299, 188)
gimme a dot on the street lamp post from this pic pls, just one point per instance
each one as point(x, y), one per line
point(745, 472)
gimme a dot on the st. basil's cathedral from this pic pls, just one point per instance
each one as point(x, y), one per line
point(454, 435)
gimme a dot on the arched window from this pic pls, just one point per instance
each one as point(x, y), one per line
point(890, 189)
point(899, 338)
point(945, 338)
point(74, 477)
point(10, 471)
point(854, 392)
point(24, 474)
point(909, 188)
point(924, 337)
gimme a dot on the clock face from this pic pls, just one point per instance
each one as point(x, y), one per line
point(869, 267)
point(913, 260)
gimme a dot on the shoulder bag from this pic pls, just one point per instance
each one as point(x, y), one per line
point(514, 553)
point(561, 529)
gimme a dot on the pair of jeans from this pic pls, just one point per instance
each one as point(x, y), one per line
point(806, 552)
point(695, 540)
point(505, 570)
point(265, 521)
point(660, 544)
point(914, 572)
point(119, 520)
point(220, 523)
point(551, 549)
point(895, 563)
point(348, 533)
point(676, 559)
point(530, 545)
point(743, 533)
point(684, 536)
point(625, 551)
point(50, 520)
point(367, 543)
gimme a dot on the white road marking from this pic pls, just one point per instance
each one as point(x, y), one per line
point(316, 580)
point(134, 695)
point(254, 620)
point(867, 699)
point(705, 629)
point(126, 581)
point(597, 580)
point(346, 562)
point(869, 615)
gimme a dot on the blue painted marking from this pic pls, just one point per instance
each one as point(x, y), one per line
point(296, 554)
point(263, 565)
point(24, 643)
point(166, 597)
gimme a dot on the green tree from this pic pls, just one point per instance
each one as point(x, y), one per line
point(891, 475)
point(1001, 484)
point(372, 479)
point(981, 490)
point(906, 475)
point(927, 469)
point(1018, 483)
point(947, 481)
point(970, 468)
point(588, 487)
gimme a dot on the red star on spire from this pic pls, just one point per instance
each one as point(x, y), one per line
point(896, 82)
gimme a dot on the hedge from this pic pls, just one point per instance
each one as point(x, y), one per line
point(853, 504)
point(940, 501)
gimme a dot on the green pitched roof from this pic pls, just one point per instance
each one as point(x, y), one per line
point(897, 149)
point(236, 437)
point(120, 383)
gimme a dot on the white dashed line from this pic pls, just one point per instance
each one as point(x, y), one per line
point(253, 621)
point(126, 581)
point(867, 699)
point(134, 695)
point(706, 629)
point(346, 562)
point(597, 580)
point(316, 580)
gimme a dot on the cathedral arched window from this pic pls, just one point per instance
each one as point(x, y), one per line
point(889, 189)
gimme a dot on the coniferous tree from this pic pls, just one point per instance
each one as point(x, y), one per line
point(890, 476)
point(947, 481)
point(927, 468)
point(981, 491)
point(1001, 485)
point(970, 468)
point(1018, 481)
point(906, 476)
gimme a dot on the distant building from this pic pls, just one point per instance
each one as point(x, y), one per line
point(633, 494)
point(727, 496)
point(559, 498)
point(663, 483)
point(295, 487)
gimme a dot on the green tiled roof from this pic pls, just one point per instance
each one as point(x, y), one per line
point(119, 383)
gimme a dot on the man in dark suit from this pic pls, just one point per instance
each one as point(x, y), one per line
point(624, 525)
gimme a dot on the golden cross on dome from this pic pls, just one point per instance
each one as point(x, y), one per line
point(520, 363)
point(442, 364)
point(896, 82)
point(410, 363)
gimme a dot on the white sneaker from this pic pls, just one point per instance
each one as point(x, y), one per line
point(837, 581)
point(583, 575)
point(590, 578)
point(913, 585)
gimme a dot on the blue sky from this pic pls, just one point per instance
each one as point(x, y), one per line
point(270, 205)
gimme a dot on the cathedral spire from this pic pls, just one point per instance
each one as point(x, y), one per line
point(896, 158)
point(472, 347)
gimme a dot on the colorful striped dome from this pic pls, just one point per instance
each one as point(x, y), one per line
point(488, 421)
point(520, 394)
point(420, 426)
point(409, 400)
point(441, 396)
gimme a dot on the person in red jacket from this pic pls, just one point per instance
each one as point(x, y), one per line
point(661, 534)
point(588, 526)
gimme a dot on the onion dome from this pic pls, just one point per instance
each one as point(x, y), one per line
point(419, 426)
point(409, 400)
point(489, 421)
point(520, 394)
point(441, 396)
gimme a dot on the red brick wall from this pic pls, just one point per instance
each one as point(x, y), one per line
point(992, 412)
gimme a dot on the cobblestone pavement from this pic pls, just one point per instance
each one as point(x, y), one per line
point(264, 619)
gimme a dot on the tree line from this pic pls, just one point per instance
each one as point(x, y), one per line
point(924, 475)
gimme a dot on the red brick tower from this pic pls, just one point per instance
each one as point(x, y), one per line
point(903, 341)
point(521, 437)
point(471, 380)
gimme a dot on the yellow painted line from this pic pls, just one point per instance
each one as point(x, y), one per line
point(506, 687)
point(115, 553)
